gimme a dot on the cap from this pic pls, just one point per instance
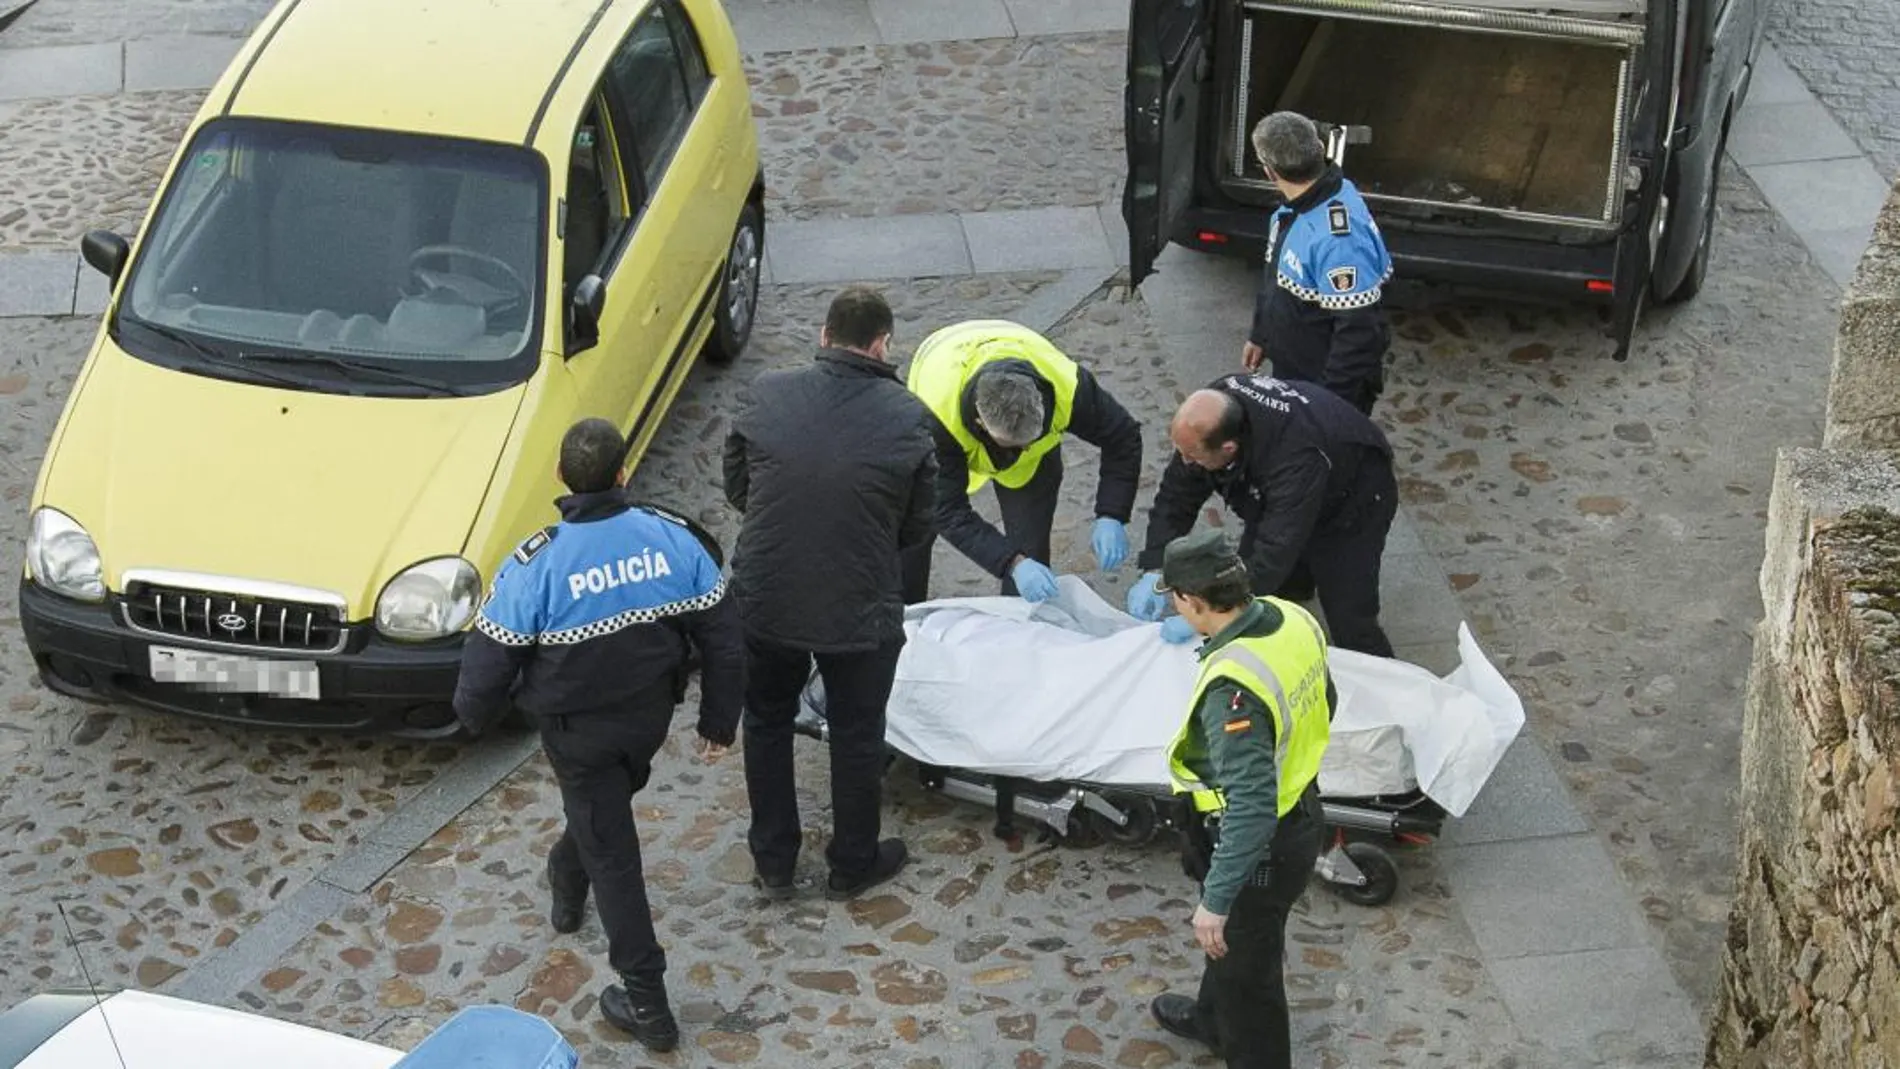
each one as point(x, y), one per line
point(1194, 562)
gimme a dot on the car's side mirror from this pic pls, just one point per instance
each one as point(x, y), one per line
point(106, 252)
point(590, 299)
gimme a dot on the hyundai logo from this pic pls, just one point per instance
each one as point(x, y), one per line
point(232, 622)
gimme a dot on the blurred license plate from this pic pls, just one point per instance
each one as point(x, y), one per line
point(235, 675)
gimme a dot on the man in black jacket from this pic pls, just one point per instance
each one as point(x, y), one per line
point(832, 465)
point(1308, 475)
point(587, 631)
point(1004, 397)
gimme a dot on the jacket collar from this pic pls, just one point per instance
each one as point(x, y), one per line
point(845, 358)
point(1331, 181)
point(599, 505)
point(1257, 619)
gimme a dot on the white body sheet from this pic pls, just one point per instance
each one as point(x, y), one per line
point(1076, 690)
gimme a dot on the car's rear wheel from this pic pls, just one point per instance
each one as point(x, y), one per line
point(738, 289)
point(1698, 271)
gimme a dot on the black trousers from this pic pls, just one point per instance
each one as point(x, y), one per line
point(602, 760)
point(1029, 519)
point(1242, 1005)
point(857, 686)
point(1343, 562)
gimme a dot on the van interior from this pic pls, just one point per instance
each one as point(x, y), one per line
point(1462, 121)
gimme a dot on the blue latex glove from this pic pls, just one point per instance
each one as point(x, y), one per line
point(1144, 601)
point(1110, 539)
point(1176, 630)
point(1034, 580)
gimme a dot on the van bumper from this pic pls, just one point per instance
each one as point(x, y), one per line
point(1580, 273)
point(401, 689)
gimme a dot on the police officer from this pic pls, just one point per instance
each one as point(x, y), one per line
point(1310, 477)
point(1247, 759)
point(587, 630)
point(1003, 397)
point(1317, 317)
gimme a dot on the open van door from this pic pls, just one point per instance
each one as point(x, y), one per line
point(1167, 71)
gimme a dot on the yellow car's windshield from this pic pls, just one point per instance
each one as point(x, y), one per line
point(349, 249)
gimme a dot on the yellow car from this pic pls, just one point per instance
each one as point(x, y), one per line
point(402, 248)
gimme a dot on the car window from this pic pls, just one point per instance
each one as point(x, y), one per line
point(597, 199)
point(293, 238)
point(651, 81)
point(209, 170)
point(692, 55)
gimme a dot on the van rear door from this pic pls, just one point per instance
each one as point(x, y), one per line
point(1167, 75)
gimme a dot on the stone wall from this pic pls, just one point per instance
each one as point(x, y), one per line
point(1811, 976)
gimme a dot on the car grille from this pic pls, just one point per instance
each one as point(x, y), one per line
point(266, 623)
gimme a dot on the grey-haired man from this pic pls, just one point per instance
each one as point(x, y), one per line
point(1003, 397)
point(1318, 317)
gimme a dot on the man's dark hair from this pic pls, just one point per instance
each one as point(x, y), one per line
point(858, 317)
point(1226, 594)
point(591, 453)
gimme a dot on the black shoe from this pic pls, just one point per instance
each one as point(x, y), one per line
point(641, 1010)
point(891, 855)
point(776, 888)
point(565, 913)
point(1176, 1014)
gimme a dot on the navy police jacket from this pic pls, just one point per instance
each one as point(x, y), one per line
point(1297, 476)
point(1317, 315)
point(594, 616)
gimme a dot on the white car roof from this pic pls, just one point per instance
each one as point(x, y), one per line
point(157, 1032)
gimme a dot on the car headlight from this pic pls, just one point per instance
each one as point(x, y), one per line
point(429, 600)
point(62, 557)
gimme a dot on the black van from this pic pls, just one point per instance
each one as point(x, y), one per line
point(1566, 148)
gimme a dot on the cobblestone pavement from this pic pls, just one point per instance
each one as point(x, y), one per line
point(960, 126)
point(1845, 50)
point(86, 162)
point(1602, 521)
point(980, 954)
point(1603, 525)
point(167, 838)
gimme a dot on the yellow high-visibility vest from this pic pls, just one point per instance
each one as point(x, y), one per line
point(1287, 672)
point(947, 360)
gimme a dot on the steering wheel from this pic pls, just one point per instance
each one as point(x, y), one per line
point(516, 289)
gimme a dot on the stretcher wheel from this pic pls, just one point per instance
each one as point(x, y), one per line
point(1141, 826)
point(1382, 876)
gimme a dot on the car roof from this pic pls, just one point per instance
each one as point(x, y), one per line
point(460, 68)
point(156, 1031)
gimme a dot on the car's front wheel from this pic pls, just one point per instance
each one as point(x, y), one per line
point(738, 289)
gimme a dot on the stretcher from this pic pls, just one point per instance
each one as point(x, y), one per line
point(1061, 714)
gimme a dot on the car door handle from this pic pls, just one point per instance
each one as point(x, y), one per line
point(652, 313)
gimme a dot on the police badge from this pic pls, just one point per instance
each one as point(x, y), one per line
point(1342, 278)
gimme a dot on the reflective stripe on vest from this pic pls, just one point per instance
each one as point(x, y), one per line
point(1301, 723)
point(947, 360)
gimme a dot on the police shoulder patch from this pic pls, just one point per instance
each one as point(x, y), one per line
point(534, 543)
point(1343, 278)
point(1336, 219)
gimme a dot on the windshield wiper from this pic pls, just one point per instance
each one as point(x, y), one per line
point(206, 352)
point(355, 368)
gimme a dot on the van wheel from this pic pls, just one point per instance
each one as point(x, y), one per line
point(1698, 272)
point(738, 289)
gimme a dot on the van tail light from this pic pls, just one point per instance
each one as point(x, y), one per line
point(1209, 237)
point(1600, 285)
